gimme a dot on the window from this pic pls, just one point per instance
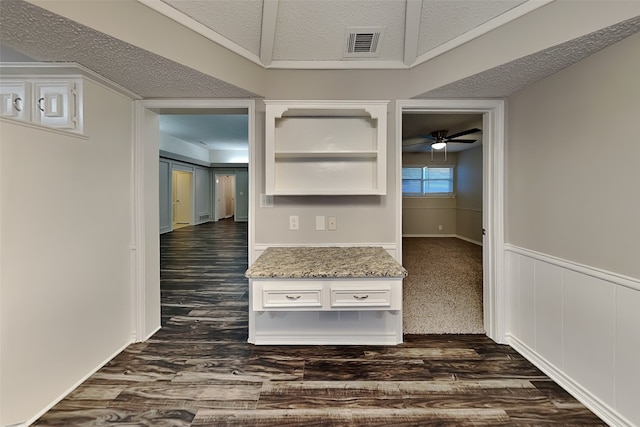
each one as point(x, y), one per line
point(422, 181)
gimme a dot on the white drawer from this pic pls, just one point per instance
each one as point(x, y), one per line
point(363, 297)
point(282, 295)
point(291, 298)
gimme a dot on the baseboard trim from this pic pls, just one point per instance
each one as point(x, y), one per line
point(390, 338)
point(76, 385)
point(584, 396)
point(429, 235)
point(152, 333)
point(466, 239)
point(457, 236)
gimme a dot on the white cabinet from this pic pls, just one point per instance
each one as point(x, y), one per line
point(328, 311)
point(326, 147)
point(14, 97)
point(55, 102)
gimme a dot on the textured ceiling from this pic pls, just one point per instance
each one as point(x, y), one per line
point(506, 79)
point(47, 37)
point(302, 32)
point(311, 33)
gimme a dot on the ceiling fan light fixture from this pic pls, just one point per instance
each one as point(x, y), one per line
point(438, 145)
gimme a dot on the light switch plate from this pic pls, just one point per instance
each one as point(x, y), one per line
point(294, 222)
point(320, 223)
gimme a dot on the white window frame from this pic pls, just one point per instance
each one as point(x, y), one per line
point(424, 180)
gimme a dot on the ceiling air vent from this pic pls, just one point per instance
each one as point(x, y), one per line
point(363, 42)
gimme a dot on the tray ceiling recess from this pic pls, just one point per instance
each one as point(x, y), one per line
point(342, 34)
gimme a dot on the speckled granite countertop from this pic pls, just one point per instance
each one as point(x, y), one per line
point(320, 262)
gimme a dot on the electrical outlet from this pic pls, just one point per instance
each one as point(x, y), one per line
point(294, 222)
point(440, 227)
point(333, 223)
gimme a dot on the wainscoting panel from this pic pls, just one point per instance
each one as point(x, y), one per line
point(548, 326)
point(627, 354)
point(581, 326)
point(588, 336)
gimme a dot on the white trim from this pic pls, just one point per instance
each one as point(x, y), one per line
point(67, 69)
point(429, 235)
point(385, 246)
point(45, 128)
point(201, 29)
point(583, 395)
point(409, 61)
point(138, 191)
point(74, 386)
point(598, 273)
point(385, 338)
point(267, 38)
point(139, 223)
point(457, 236)
point(494, 300)
point(466, 239)
point(478, 31)
point(413, 16)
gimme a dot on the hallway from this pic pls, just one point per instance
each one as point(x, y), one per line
point(198, 370)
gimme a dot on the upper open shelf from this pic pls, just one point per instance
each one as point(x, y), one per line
point(326, 147)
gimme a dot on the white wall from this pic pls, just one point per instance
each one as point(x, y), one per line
point(572, 228)
point(65, 300)
point(229, 156)
point(178, 146)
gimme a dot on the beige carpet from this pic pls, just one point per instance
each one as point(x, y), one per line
point(443, 291)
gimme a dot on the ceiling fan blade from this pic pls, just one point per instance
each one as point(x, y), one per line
point(463, 141)
point(427, 136)
point(463, 133)
point(414, 141)
point(414, 145)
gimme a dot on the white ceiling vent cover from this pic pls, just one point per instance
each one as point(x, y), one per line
point(363, 42)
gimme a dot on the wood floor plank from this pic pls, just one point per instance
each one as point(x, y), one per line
point(199, 370)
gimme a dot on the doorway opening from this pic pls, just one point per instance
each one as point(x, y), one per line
point(147, 177)
point(442, 222)
point(225, 205)
point(492, 196)
point(182, 212)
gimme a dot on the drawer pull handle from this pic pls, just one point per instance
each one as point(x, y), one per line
point(292, 297)
point(361, 297)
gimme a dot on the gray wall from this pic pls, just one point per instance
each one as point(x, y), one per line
point(572, 226)
point(469, 194)
point(460, 216)
point(203, 192)
point(272, 224)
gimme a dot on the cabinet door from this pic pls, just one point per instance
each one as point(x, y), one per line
point(14, 100)
point(55, 103)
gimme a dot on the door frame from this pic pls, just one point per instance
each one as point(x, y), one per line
point(493, 190)
point(145, 245)
point(215, 200)
point(191, 171)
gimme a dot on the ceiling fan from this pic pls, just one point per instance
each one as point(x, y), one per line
point(438, 139)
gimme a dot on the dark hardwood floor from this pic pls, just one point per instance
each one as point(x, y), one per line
point(198, 370)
